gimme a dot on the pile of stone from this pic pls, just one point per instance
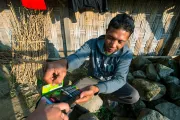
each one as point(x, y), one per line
point(157, 81)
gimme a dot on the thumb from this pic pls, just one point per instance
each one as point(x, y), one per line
point(59, 78)
point(42, 103)
point(86, 93)
point(82, 94)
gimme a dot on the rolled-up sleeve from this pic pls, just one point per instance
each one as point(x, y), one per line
point(77, 59)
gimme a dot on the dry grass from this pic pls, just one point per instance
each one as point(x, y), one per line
point(30, 30)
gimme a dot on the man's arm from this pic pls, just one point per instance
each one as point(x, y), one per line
point(119, 78)
point(77, 59)
point(56, 71)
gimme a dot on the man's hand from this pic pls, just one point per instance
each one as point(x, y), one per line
point(49, 112)
point(55, 71)
point(87, 94)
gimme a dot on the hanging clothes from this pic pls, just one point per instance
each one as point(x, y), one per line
point(100, 5)
point(34, 4)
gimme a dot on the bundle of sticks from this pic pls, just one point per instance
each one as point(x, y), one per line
point(29, 50)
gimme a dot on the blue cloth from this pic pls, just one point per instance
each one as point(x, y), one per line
point(110, 70)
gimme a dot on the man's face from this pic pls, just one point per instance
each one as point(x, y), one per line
point(115, 39)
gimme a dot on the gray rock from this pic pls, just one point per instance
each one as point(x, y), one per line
point(173, 91)
point(177, 102)
point(169, 62)
point(149, 90)
point(175, 66)
point(130, 77)
point(153, 103)
point(139, 62)
point(161, 60)
point(88, 116)
point(171, 79)
point(162, 91)
point(163, 71)
point(139, 74)
point(93, 105)
point(123, 118)
point(148, 114)
point(169, 110)
point(165, 118)
point(137, 107)
point(151, 73)
point(121, 110)
point(111, 104)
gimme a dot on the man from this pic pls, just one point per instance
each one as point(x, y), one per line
point(110, 59)
point(49, 112)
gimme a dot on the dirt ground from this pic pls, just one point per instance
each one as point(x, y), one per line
point(11, 108)
point(12, 104)
point(15, 108)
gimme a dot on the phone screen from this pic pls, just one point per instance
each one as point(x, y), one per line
point(68, 94)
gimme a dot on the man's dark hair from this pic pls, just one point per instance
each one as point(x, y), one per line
point(122, 21)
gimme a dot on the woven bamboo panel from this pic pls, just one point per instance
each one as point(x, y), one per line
point(175, 49)
point(55, 40)
point(154, 22)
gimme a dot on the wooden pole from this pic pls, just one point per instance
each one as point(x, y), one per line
point(168, 49)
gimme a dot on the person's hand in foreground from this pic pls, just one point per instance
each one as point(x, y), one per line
point(87, 94)
point(49, 112)
point(55, 71)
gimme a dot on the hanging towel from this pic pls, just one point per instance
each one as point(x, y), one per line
point(34, 4)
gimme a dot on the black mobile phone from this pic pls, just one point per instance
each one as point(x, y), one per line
point(66, 94)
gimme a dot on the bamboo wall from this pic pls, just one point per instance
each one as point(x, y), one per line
point(154, 22)
point(175, 49)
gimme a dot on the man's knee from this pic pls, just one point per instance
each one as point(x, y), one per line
point(135, 96)
point(86, 82)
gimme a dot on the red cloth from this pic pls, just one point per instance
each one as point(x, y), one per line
point(34, 4)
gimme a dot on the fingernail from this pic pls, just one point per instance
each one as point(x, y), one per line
point(43, 98)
